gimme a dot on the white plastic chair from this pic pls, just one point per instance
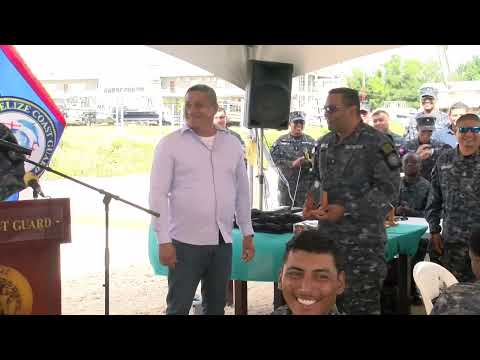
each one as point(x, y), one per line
point(430, 278)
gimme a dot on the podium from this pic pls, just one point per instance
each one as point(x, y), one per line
point(31, 232)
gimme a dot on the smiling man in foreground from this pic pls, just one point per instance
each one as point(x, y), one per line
point(312, 275)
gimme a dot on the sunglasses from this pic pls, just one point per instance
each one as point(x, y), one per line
point(464, 130)
point(221, 117)
point(332, 108)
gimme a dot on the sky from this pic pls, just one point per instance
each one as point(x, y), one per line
point(112, 60)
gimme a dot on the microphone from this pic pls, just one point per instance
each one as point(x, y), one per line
point(10, 146)
point(32, 181)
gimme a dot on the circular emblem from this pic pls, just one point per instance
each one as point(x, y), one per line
point(32, 127)
point(16, 297)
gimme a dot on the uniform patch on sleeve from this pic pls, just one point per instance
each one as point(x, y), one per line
point(391, 156)
point(387, 148)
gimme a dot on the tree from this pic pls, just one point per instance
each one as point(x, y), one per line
point(396, 80)
point(468, 71)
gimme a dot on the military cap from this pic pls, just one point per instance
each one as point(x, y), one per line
point(426, 123)
point(297, 116)
point(428, 91)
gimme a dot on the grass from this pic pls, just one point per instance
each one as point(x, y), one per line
point(105, 151)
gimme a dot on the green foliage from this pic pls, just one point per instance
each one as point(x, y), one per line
point(105, 151)
point(468, 71)
point(396, 80)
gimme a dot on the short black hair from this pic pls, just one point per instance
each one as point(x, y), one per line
point(212, 96)
point(314, 241)
point(457, 105)
point(380, 111)
point(349, 96)
point(474, 241)
point(466, 117)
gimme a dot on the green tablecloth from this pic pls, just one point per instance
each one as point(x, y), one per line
point(269, 250)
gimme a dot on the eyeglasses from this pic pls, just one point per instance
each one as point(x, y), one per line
point(332, 108)
point(464, 130)
point(424, 101)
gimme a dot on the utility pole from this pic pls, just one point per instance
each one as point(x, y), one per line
point(442, 49)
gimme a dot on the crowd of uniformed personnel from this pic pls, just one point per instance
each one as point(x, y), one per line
point(359, 167)
point(349, 180)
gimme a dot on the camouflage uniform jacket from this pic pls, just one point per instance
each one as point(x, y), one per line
point(455, 188)
point(362, 174)
point(428, 164)
point(459, 299)
point(285, 310)
point(415, 196)
point(12, 167)
point(287, 149)
point(397, 140)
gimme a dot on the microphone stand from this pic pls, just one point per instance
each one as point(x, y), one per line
point(107, 197)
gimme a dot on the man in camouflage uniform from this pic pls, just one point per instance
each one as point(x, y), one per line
point(12, 167)
point(221, 120)
point(312, 275)
point(429, 150)
point(447, 134)
point(428, 97)
point(414, 189)
point(289, 155)
point(455, 196)
point(381, 122)
point(359, 168)
point(463, 298)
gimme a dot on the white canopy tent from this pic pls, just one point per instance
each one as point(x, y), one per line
point(229, 62)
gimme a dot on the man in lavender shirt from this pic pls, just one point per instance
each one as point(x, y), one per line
point(198, 184)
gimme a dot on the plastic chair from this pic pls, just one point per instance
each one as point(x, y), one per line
point(430, 279)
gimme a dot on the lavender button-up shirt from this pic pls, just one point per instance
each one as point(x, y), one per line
point(197, 191)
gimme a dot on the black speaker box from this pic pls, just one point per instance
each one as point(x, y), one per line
point(268, 95)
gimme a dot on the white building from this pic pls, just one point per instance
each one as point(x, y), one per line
point(150, 88)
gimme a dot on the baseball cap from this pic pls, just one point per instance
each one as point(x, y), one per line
point(428, 91)
point(426, 123)
point(297, 116)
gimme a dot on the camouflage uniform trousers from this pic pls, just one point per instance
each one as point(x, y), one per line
point(365, 266)
point(365, 272)
point(303, 186)
point(455, 258)
point(459, 299)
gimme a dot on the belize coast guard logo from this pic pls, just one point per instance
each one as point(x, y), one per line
point(32, 127)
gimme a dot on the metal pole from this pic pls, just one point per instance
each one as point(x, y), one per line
point(261, 176)
point(106, 201)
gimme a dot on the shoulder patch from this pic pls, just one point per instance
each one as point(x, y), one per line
point(387, 148)
point(391, 156)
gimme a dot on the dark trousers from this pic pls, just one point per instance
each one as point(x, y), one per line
point(212, 264)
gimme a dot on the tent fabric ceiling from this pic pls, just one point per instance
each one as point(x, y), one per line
point(229, 62)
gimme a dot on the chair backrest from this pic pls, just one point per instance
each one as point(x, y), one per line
point(430, 278)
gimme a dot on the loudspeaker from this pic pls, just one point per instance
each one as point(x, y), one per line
point(268, 95)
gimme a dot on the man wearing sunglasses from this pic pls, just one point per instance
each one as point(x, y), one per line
point(428, 98)
point(359, 169)
point(429, 150)
point(455, 196)
point(290, 154)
